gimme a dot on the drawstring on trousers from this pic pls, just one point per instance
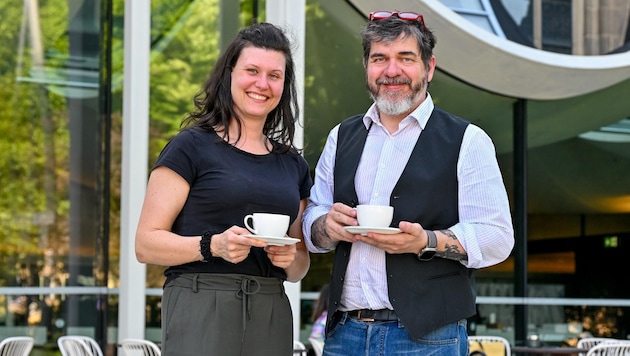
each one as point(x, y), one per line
point(243, 294)
point(248, 286)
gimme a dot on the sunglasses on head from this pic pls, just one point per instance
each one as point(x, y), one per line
point(403, 15)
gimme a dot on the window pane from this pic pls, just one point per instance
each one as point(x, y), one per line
point(463, 4)
point(52, 152)
point(481, 21)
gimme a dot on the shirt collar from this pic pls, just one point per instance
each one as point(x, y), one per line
point(420, 114)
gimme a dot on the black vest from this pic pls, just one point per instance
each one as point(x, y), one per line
point(425, 294)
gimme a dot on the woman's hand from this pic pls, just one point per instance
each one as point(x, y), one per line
point(232, 246)
point(281, 256)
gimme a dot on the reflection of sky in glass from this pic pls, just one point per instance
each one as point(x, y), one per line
point(477, 12)
point(481, 21)
point(517, 9)
point(463, 4)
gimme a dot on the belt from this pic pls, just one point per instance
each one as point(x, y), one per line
point(373, 315)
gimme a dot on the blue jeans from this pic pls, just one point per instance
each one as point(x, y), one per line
point(355, 338)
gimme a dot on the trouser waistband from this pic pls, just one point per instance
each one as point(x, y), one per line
point(243, 285)
point(236, 282)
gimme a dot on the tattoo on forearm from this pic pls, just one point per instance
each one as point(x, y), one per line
point(319, 235)
point(452, 252)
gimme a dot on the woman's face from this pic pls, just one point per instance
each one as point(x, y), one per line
point(257, 82)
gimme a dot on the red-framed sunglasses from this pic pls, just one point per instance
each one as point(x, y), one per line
point(403, 15)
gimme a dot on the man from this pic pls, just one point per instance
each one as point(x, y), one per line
point(410, 291)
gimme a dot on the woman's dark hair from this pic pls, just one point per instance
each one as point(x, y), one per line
point(214, 104)
point(391, 28)
point(321, 304)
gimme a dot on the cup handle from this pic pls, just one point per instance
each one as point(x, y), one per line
point(246, 222)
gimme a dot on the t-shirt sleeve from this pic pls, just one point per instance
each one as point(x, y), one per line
point(307, 181)
point(180, 154)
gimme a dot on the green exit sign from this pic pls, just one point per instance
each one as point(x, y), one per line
point(610, 242)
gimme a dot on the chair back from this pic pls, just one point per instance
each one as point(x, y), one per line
point(93, 345)
point(16, 346)
point(588, 342)
point(299, 349)
point(139, 347)
point(318, 346)
point(610, 348)
point(489, 345)
point(70, 345)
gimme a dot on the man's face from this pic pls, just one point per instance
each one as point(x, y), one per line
point(397, 79)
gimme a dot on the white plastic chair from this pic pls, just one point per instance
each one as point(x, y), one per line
point(482, 342)
point(139, 347)
point(93, 345)
point(589, 342)
point(78, 345)
point(299, 349)
point(610, 348)
point(73, 346)
point(318, 346)
point(16, 346)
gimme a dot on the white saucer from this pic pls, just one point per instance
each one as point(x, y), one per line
point(274, 241)
point(363, 230)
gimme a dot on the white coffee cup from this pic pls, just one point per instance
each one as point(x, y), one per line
point(267, 224)
point(375, 215)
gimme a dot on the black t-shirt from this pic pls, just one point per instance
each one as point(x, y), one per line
point(226, 184)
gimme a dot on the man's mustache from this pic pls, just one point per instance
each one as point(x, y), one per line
point(397, 80)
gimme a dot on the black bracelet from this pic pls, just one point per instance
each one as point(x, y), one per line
point(204, 246)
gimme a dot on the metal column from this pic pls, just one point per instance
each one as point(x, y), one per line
point(520, 219)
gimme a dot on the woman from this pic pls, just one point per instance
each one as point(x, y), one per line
point(234, 156)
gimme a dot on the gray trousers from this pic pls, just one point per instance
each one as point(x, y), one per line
point(227, 315)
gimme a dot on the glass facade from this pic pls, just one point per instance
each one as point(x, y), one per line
point(555, 22)
point(55, 178)
point(61, 70)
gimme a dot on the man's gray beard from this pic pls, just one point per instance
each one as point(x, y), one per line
point(400, 106)
point(393, 108)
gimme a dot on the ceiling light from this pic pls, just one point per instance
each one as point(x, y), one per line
point(618, 132)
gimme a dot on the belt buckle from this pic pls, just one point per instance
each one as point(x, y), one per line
point(359, 318)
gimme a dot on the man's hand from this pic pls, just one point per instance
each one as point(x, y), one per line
point(412, 239)
point(329, 229)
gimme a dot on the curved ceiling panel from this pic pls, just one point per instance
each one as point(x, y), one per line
point(526, 72)
point(548, 121)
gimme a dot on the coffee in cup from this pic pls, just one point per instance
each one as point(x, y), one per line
point(267, 224)
point(375, 215)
